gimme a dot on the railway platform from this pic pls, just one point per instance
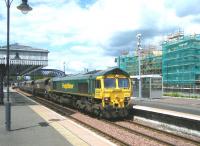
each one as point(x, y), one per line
point(176, 111)
point(35, 125)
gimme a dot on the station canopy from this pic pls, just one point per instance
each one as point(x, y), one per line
point(23, 59)
point(47, 73)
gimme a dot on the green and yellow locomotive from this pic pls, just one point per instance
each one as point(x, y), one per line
point(103, 93)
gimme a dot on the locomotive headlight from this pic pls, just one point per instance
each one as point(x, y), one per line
point(107, 98)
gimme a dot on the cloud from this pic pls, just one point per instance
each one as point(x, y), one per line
point(197, 19)
point(50, 3)
point(91, 33)
point(127, 40)
point(91, 58)
point(184, 8)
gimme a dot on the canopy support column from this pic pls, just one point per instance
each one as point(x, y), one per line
point(2, 74)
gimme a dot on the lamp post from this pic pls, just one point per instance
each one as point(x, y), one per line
point(138, 36)
point(64, 66)
point(24, 7)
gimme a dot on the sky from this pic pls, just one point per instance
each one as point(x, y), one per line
point(92, 33)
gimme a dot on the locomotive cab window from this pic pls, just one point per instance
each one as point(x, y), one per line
point(98, 84)
point(109, 83)
point(123, 83)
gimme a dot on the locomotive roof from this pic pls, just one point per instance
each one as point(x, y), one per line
point(93, 75)
point(114, 70)
point(41, 80)
point(30, 81)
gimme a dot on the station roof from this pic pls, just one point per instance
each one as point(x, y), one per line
point(18, 47)
point(23, 59)
point(48, 73)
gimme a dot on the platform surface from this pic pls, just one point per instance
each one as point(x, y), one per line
point(177, 106)
point(28, 128)
point(35, 125)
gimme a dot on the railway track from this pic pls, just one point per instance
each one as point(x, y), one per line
point(170, 134)
point(150, 132)
point(142, 134)
point(121, 126)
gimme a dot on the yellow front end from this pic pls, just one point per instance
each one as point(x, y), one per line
point(115, 91)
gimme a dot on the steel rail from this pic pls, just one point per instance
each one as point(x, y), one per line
point(187, 139)
point(140, 134)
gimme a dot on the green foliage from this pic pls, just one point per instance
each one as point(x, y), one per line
point(173, 94)
point(176, 94)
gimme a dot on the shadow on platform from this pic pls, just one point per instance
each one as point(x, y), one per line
point(17, 99)
point(41, 124)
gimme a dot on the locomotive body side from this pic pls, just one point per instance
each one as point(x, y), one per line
point(78, 85)
point(27, 86)
point(41, 86)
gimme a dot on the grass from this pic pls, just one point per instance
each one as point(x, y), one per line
point(176, 94)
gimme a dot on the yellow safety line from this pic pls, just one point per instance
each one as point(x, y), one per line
point(73, 139)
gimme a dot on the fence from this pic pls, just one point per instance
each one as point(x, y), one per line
point(151, 86)
point(191, 91)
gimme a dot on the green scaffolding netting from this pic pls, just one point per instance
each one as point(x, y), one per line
point(181, 60)
point(150, 64)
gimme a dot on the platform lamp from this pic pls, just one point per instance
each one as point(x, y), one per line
point(25, 8)
point(138, 36)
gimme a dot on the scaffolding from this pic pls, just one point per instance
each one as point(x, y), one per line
point(151, 61)
point(178, 62)
point(128, 63)
point(181, 62)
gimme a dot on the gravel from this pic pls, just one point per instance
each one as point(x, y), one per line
point(117, 133)
point(171, 139)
